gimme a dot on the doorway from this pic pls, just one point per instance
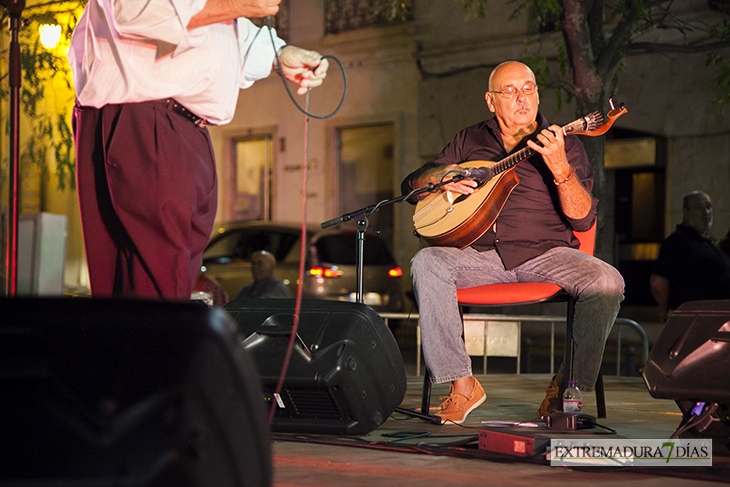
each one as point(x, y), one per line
point(252, 167)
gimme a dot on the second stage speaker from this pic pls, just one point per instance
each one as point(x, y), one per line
point(689, 364)
point(345, 375)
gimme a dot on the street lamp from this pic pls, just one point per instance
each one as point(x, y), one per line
point(50, 35)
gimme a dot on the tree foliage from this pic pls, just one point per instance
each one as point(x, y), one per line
point(392, 9)
point(596, 36)
point(46, 93)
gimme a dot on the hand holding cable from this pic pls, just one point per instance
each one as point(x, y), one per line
point(306, 68)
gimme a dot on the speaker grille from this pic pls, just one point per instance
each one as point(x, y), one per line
point(313, 402)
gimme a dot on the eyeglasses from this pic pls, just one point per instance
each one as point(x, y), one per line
point(511, 91)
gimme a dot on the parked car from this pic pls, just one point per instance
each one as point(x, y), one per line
point(330, 262)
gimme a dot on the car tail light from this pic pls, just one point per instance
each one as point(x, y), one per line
point(325, 272)
point(395, 272)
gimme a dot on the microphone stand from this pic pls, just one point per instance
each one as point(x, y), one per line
point(14, 9)
point(362, 225)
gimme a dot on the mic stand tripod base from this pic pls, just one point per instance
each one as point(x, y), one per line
point(430, 418)
point(425, 404)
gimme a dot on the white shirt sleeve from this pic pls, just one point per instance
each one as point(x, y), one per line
point(257, 51)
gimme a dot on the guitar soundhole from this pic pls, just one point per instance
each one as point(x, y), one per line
point(461, 198)
point(465, 196)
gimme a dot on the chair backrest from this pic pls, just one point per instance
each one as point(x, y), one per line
point(587, 239)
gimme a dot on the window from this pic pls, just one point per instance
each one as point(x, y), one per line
point(252, 163)
point(239, 244)
point(366, 162)
point(341, 249)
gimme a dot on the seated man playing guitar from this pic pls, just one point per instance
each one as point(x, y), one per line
point(531, 240)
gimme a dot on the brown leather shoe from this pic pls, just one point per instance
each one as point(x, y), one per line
point(457, 407)
point(553, 401)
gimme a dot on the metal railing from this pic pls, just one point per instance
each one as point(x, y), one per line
point(620, 322)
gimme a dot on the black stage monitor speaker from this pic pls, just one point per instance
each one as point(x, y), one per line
point(689, 363)
point(345, 375)
point(133, 393)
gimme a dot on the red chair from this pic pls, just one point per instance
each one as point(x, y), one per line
point(517, 294)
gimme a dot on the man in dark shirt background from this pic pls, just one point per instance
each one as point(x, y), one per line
point(531, 241)
point(690, 266)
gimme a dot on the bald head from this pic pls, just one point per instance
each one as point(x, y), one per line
point(263, 264)
point(499, 67)
point(697, 211)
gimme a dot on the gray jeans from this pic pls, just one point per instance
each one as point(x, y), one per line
point(437, 272)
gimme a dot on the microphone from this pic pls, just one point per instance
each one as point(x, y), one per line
point(477, 173)
point(269, 21)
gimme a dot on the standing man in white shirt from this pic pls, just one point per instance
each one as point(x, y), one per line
point(149, 77)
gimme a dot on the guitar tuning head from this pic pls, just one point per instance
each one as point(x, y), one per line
point(612, 103)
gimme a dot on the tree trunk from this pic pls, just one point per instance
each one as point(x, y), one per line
point(603, 185)
point(590, 89)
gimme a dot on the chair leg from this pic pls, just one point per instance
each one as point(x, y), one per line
point(426, 396)
point(600, 397)
point(568, 356)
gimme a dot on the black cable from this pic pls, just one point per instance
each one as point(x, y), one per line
point(611, 431)
point(454, 179)
point(268, 21)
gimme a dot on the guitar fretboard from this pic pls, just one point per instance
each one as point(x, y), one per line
point(511, 161)
point(579, 125)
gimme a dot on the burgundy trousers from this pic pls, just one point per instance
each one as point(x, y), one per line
point(148, 195)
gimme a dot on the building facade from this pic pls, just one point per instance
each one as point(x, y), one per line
point(412, 85)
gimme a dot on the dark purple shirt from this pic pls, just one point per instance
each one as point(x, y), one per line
point(532, 220)
point(696, 268)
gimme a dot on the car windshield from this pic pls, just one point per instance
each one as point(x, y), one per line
point(340, 249)
point(241, 243)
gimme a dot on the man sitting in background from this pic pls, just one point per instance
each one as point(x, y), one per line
point(265, 284)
